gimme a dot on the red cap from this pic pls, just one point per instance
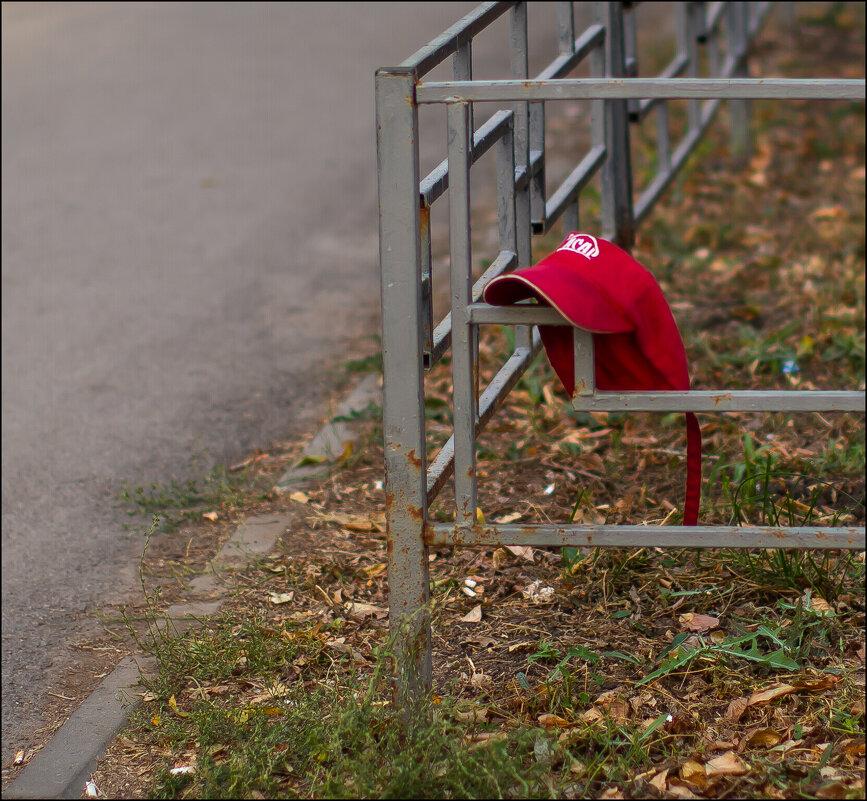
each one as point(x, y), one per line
point(597, 286)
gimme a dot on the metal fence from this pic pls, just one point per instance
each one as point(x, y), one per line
point(516, 133)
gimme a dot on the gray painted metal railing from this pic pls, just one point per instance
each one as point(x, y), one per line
point(411, 344)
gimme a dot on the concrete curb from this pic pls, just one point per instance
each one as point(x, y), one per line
point(63, 766)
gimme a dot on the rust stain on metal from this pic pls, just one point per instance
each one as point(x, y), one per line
point(718, 399)
point(389, 501)
point(412, 456)
point(415, 513)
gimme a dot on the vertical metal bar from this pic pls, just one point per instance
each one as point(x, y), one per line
point(462, 69)
point(403, 382)
point(463, 333)
point(597, 114)
point(537, 159)
point(617, 170)
point(739, 110)
point(582, 353)
point(426, 282)
point(505, 149)
point(566, 45)
point(630, 66)
point(571, 219)
point(713, 59)
point(693, 25)
point(565, 28)
point(519, 68)
point(663, 138)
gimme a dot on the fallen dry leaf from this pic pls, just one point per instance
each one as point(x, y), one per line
point(694, 622)
point(834, 790)
point(358, 523)
point(694, 773)
point(678, 790)
point(854, 747)
point(550, 721)
point(726, 764)
point(483, 738)
point(736, 708)
point(770, 693)
point(524, 551)
point(472, 716)
point(345, 648)
point(820, 683)
point(762, 738)
point(820, 606)
point(212, 516)
point(174, 707)
point(829, 213)
point(362, 610)
point(299, 497)
point(509, 518)
point(281, 597)
point(659, 781)
point(473, 616)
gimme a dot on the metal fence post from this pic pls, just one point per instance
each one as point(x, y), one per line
point(739, 110)
point(617, 171)
point(403, 382)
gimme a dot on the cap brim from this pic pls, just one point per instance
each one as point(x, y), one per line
point(563, 286)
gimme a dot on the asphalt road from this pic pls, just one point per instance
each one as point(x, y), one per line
point(188, 234)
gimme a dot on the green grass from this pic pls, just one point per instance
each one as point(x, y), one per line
point(180, 500)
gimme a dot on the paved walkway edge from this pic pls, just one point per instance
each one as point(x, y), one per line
point(63, 766)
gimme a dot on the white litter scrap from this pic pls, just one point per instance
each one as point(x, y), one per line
point(537, 593)
point(91, 790)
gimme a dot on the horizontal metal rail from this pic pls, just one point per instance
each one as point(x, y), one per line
point(790, 400)
point(730, 400)
point(624, 88)
point(818, 537)
point(675, 69)
point(448, 42)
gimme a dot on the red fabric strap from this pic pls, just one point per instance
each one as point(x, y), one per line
point(693, 470)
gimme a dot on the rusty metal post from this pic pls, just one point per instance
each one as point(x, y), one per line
point(403, 382)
